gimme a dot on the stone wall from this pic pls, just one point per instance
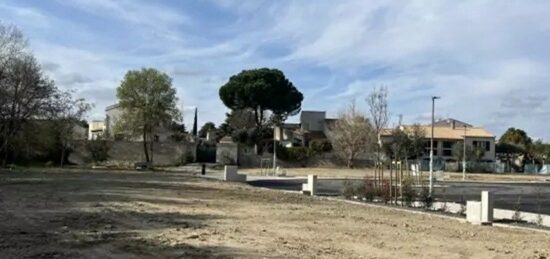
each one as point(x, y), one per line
point(126, 153)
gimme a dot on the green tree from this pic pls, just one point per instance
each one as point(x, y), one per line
point(236, 120)
point(458, 151)
point(148, 101)
point(539, 151)
point(400, 146)
point(209, 126)
point(516, 137)
point(417, 138)
point(194, 130)
point(262, 90)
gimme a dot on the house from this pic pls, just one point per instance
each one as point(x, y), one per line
point(449, 132)
point(312, 125)
point(113, 115)
point(96, 129)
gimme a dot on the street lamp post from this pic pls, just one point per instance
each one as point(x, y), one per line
point(464, 157)
point(432, 145)
point(275, 131)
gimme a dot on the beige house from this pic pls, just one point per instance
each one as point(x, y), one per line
point(449, 132)
point(313, 125)
point(96, 129)
point(113, 115)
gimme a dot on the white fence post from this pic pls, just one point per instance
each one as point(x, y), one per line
point(486, 207)
point(311, 186)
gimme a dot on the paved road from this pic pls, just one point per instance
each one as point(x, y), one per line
point(506, 194)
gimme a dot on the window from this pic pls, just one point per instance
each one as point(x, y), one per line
point(487, 146)
point(448, 148)
point(427, 148)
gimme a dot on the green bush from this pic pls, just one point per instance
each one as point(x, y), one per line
point(320, 145)
point(98, 149)
point(293, 154)
point(298, 153)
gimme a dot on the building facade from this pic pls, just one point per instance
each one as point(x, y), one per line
point(96, 129)
point(313, 125)
point(112, 118)
point(447, 134)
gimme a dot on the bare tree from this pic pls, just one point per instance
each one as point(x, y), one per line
point(68, 114)
point(379, 116)
point(26, 95)
point(352, 134)
point(12, 43)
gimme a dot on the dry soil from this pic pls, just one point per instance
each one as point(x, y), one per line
point(91, 214)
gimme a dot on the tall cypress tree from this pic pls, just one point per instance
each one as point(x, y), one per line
point(195, 124)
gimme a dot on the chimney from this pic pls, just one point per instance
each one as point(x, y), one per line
point(453, 124)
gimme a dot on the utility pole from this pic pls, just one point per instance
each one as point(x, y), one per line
point(432, 144)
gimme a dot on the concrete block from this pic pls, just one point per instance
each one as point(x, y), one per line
point(311, 186)
point(230, 174)
point(473, 212)
point(486, 207)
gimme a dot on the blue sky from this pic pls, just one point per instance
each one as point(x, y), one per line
point(489, 60)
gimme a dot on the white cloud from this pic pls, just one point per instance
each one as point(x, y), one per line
point(487, 59)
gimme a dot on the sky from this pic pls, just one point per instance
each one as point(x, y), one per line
point(488, 60)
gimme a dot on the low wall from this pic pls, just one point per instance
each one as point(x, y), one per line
point(497, 213)
point(126, 153)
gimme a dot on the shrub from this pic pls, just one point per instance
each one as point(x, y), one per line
point(320, 145)
point(426, 198)
point(298, 153)
point(349, 189)
point(293, 154)
point(384, 191)
point(98, 149)
point(409, 194)
point(368, 189)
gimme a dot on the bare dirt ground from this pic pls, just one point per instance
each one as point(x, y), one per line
point(79, 214)
point(362, 172)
